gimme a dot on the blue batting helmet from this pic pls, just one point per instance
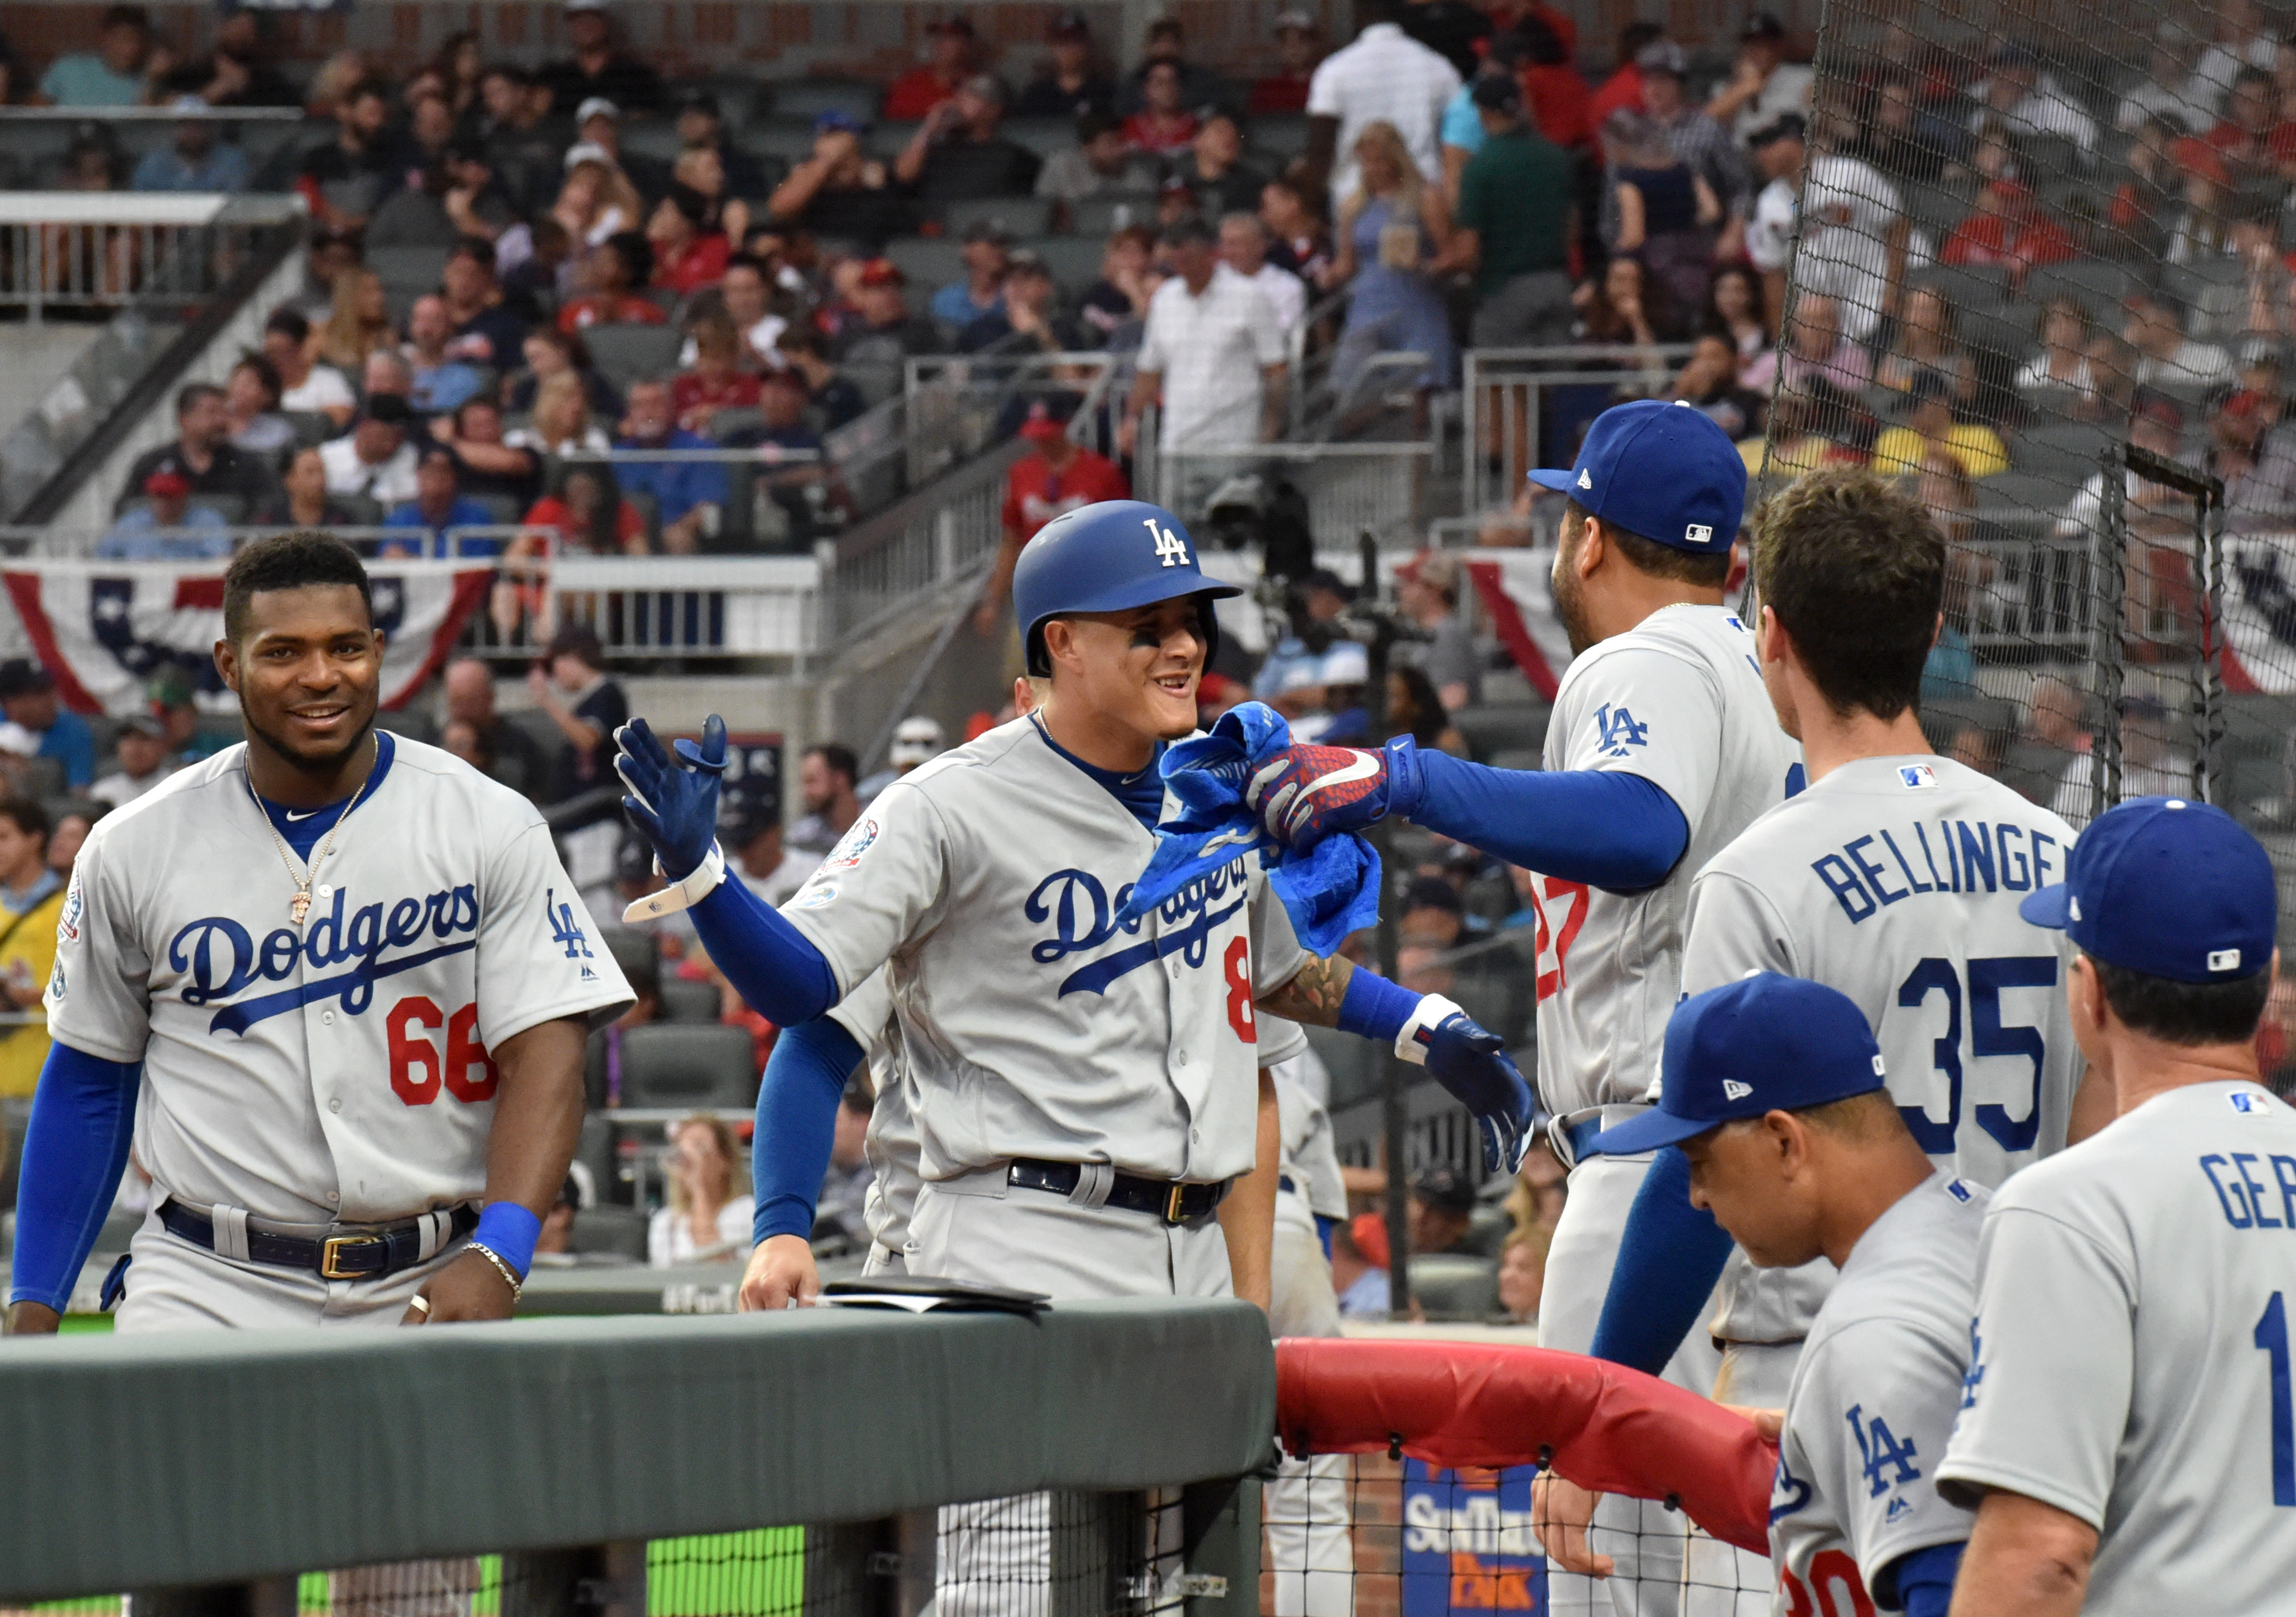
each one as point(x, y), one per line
point(1107, 558)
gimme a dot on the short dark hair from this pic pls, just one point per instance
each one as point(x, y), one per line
point(478, 250)
point(1193, 228)
point(1855, 570)
point(635, 253)
point(1659, 560)
point(290, 561)
point(289, 324)
point(379, 89)
point(840, 760)
point(194, 393)
point(1095, 123)
point(266, 372)
point(29, 818)
point(126, 16)
point(2190, 1013)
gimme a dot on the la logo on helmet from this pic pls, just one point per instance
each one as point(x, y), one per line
point(1171, 549)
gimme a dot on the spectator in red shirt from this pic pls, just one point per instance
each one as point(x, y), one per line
point(920, 90)
point(1561, 105)
point(1298, 49)
point(623, 263)
point(686, 256)
point(716, 380)
point(2008, 230)
point(588, 514)
point(1624, 89)
point(1058, 476)
point(2251, 131)
point(1163, 125)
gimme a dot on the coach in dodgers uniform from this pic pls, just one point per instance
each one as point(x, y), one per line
point(1775, 1092)
point(1087, 1094)
point(2127, 1422)
point(341, 986)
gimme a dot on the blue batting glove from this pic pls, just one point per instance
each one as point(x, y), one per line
point(673, 802)
point(1304, 794)
point(1470, 1061)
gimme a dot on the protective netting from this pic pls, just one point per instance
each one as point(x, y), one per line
point(2041, 272)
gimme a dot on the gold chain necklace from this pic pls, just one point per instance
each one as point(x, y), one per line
point(299, 906)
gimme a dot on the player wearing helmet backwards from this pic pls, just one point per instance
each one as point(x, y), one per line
point(1088, 1095)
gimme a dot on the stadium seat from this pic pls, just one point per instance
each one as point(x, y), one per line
point(1042, 135)
point(1074, 260)
point(692, 1002)
point(658, 142)
point(1020, 216)
point(790, 143)
point(683, 1063)
point(409, 271)
point(311, 428)
point(1279, 137)
point(808, 98)
point(929, 262)
point(1945, 716)
point(2099, 284)
point(886, 139)
point(607, 1229)
point(1454, 1286)
point(1488, 1229)
point(594, 1147)
point(1498, 727)
point(415, 724)
point(2067, 451)
point(1097, 216)
point(2046, 494)
point(1967, 288)
point(624, 354)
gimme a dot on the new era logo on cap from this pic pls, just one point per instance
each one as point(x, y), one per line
point(1585, 482)
point(1878, 1070)
point(1734, 1090)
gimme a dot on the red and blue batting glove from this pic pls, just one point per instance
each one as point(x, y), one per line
point(1305, 793)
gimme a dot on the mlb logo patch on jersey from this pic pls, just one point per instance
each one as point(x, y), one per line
point(2247, 1103)
point(857, 841)
point(1915, 777)
point(1957, 1190)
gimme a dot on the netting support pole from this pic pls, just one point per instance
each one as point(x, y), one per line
point(916, 1541)
point(257, 1598)
point(2109, 580)
point(1395, 1093)
point(1221, 1525)
point(2207, 493)
point(593, 1580)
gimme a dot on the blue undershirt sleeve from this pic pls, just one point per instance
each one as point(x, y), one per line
point(1604, 827)
point(83, 1117)
point(771, 964)
point(797, 1124)
point(1921, 1584)
point(1670, 1257)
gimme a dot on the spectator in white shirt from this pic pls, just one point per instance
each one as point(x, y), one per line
point(1243, 249)
point(305, 387)
point(1384, 77)
point(2027, 102)
point(376, 458)
point(2241, 41)
point(1213, 347)
point(142, 753)
point(2165, 356)
point(2168, 89)
point(705, 1221)
point(1764, 84)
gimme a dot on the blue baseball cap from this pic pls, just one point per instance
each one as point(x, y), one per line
point(2167, 887)
point(1764, 1043)
point(1661, 470)
point(838, 119)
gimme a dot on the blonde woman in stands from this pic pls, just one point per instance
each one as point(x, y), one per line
point(596, 200)
point(562, 424)
point(705, 1221)
point(358, 324)
point(2058, 378)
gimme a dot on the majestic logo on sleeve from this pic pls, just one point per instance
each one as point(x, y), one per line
point(1083, 919)
point(221, 959)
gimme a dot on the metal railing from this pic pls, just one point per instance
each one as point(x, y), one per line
point(1505, 411)
point(108, 250)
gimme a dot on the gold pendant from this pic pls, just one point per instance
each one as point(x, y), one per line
point(301, 905)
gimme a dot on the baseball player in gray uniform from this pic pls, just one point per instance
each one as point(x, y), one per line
point(337, 985)
point(1775, 1093)
point(2126, 1429)
point(1894, 877)
point(1662, 749)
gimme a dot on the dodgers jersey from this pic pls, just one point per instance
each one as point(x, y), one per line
point(1872, 1400)
point(1678, 700)
point(1031, 1023)
point(1897, 881)
point(337, 1071)
point(2131, 1348)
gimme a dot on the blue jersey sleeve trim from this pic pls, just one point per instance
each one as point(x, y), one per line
point(771, 964)
point(1670, 1257)
point(1604, 827)
point(797, 1124)
point(83, 1117)
point(1920, 1584)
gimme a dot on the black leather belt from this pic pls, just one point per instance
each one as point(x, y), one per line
point(368, 1255)
point(1172, 1201)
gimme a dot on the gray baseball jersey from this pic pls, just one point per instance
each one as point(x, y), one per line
point(1678, 701)
point(1032, 1025)
point(1872, 1401)
point(337, 1071)
point(1897, 881)
point(2132, 1345)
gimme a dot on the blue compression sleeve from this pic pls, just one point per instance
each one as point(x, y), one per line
point(83, 1116)
point(1670, 1257)
point(1921, 1584)
point(797, 1124)
point(1373, 1007)
point(1604, 827)
point(777, 973)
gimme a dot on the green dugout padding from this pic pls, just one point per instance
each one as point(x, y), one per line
point(209, 1457)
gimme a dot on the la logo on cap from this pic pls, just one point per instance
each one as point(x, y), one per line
point(1731, 1090)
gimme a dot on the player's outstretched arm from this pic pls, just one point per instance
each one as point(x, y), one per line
point(1247, 1213)
point(2025, 1559)
point(538, 1123)
point(1671, 1254)
point(1426, 1030)
point(1608, 828)
point(83, 1117)
point(797, 1128)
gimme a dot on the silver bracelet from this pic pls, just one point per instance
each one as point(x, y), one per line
point(501, 1267)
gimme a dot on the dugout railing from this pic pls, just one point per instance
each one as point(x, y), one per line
point(527, 1467)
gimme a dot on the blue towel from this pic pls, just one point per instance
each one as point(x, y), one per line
point(1329, 891)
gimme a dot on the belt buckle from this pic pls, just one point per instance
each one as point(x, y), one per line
point(1172, 1214)
point(331, 1248)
